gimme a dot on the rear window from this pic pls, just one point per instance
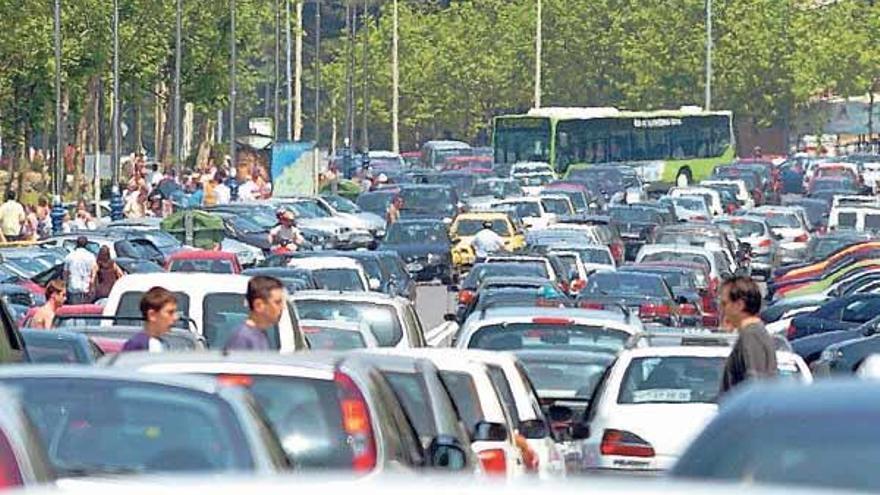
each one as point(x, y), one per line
point(382, 319)
point(224, 313)
point(463, 391)
point(671, 256)
point(54, 351)
point(745, 228)
point(558, 206)
point(204, 266)
point(306, 416)
point(671, 379)
point(339, 279)
point(130, 306)
point(557, 378)
point(533, 266)
point(95, 426)
point(847, 220)
point(541, 336)
point(527, 209)
point(599, 256)
point(604, 284)
point(872, 222)
point(333, 338)
point(783, 221)
point(413, 396)
point(469, 227)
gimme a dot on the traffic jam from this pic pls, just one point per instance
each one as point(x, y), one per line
point(461, 309)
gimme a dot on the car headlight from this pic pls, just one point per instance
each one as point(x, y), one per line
point(433, 258)
point(831, 355)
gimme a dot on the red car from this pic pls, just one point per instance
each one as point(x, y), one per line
point(708, 291)
point(67, 312)
point(203, 261)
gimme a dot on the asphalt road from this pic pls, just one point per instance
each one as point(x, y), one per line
point(432, 302)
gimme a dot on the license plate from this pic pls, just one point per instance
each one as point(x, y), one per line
point(414, 267)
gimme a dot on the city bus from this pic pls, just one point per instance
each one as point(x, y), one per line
point(665, 146)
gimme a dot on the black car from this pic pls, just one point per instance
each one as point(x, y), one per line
point(497, 297)
point(838, 314)
point(636, 225)
point(424, 246)
point(821, 246)
point(294, 279)
point(376, 202)
point(849, 349)
point(683, 283)
point(783, 433)
point(437, 201)
point(646, 294)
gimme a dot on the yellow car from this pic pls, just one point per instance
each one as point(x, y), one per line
point(466, 226)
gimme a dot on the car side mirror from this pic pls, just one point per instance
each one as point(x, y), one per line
point(485, 431)
point(532, 429)
point(450, 317)
point(375, 284)
point(445, 453)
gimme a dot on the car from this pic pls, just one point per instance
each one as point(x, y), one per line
point(468, 287)
point(565, 377)
point(60, 347)
point(119, 246)
point(98, 421)
point(376, 202)
point(742, 191)
point(294, 279)
point(711, 195)
point(111, 339)
point(855, 218)
point(435, 153)
point(203, 261)
point(350, 231)
point(637, 225)
point(524, 328)
point(845, 351)
point(424, 246)
point(216, 303)
point(714, 261)
point(762, 242)
point(689, 208)
point(684, 285)
point(822, 246)
point(531, 210)
point(392, 320)
point(486, 191)
point(512, 297)
point(557, 204)
point(577, 194)
point(606, 180)
point(467, 225)
point(646, 294)
point(789, 223)
point(437, 201)
point(586, 259)
point(838, 314)
point(360, 220)
point(336, 273)
point(783, 433)
point(338, 335)
point(816, 210)
point(601, 228)
point(330, 410)
point(653, 400)
point(716, 238)
point(25, 459)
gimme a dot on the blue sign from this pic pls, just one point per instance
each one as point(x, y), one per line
point(293, 169)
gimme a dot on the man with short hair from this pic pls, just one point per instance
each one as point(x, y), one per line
point(754, 354)
point(12, 217)
point(487, 242)
point(44, 317)
point(159, 309)
point(265, 298)
point(78, 266)
point(222, 193)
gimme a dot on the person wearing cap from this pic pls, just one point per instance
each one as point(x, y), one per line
point(487, 241)
point(78, 266)
point(286, 233)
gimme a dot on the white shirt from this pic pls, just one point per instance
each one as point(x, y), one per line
point(487, 242)
point(155, 345)
point(222, 194)
point(247, 191)
point(78, 265)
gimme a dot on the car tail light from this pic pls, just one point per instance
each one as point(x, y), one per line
point(592, 305)
point(710, 320)
point(688, 309)
point(730, 208)
point(616, 251)
point(699, 218)
point(494, 461)
point(10, 474)
point(708, 301)
point(465, 296)
point(791, 331)
point(766, 243)
point(356, 423)
point(578, 285)
point(549, 320)
point(802, 238)
point(619, 442)
point(651, 310)
point(235, 380)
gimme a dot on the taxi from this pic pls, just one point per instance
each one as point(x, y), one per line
point(466, 226)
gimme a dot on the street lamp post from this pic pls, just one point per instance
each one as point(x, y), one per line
point(57, 209)
point(708, 104)
point(317, 72)
point(288, 88)
point(538, 53)
point(115, 196)
point(395, 85)
point(177, 58)
point(232, 95)
point(297, 74)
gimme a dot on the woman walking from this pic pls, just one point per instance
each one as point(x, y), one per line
point(105, 273)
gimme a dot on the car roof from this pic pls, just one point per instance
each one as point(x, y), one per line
point(687, 350)
point(329, 295)
point(320, 361)
point(198, 254)
point(100, 373)
point(325, 262)
point(179, 281)
point(508, 313)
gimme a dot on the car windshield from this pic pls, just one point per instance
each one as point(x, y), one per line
point(375, 203)
point(470, 227)
point(599, 256)
point(416, 233)
point(559, 206)
point(310, 209)
point(632, 215)
point(245, 225)
point(333, 338)
point(534, 180)
point(537, 335)
point(382, 319)
point(204, 265)
point(624, 284)
point(160, 239)
point(432, 199)
point(129, 307)
point(526, 209)
point(671, 379)
point(488, 188)
point(692, 203)
point(675, 257)
point(341, 204)
point(104, 426)
point(744, 228)
point(54, 351)
point(554, 377)
point(782, 220)
point(577, 198)
point(224, 314)
point(28, 266)
point(339, 279)
point(526, 264)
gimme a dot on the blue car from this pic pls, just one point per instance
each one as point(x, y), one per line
point(57, 347)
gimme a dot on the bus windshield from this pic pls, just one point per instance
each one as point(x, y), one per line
point(522, 140)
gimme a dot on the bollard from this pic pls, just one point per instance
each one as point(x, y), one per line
point(116, 204)
point(57, 216)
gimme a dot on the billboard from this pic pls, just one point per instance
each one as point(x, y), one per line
point(293, 169)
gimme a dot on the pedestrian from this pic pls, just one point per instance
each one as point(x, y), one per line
point(392, 214)
point(12, 217)
point(248, 189)
point(265, 298)
point(56, 294)
point(754, 355)
point(285, 233)
point(159, 309)
point(222, 194)
point(486, 242)
point(44, 218)
point(104, 275)
point(78, 266)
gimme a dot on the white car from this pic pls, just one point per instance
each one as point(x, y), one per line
point(338, 335)
point(714, 197)
point(587, 259)
point(716, 261)
point(215, 302)
point(530, 209)
point(336, 273)
point(392, 320)
point(558, 204)
point(654, 400)
point(689, 208)
point(742, 193)
point(790, 223)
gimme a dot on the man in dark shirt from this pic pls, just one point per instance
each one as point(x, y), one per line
point(754, 355)
point(265, 298)
point(159, 309)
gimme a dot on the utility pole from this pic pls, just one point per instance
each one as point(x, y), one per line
point(232, 90)
point(57, 209)
point(177, 58)
point(349, 131)
point(708, 104)
point(395, 85)
point(297, 72)
point(276, 104)
point(365, 136)
point(288, 88)
point(317, 72)
point(539, 28)
point(116, 198)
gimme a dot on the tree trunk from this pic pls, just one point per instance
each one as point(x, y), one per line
point(206, 142)
point(138, 125)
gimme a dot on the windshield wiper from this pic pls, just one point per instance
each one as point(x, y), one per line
point(82, 470)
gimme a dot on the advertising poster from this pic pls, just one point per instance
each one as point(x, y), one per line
point(293, 169)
